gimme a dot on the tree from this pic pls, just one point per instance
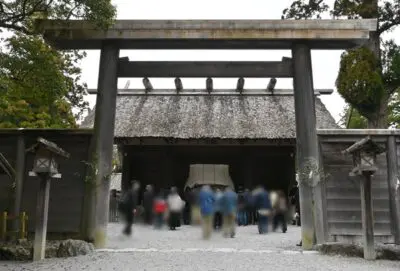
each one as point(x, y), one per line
point(39, 86)
point(351, 119)
point(369, 77)
point(18, 15)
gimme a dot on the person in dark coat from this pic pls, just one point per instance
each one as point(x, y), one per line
point(263, 205)
point(128, 206)
point(248, 207)
point(295, 200)
point(241, 208)
point(148, 199)
point(280, 210)
point(188, 197)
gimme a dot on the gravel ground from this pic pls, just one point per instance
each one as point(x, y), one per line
point(190, 237)
point(184, 250)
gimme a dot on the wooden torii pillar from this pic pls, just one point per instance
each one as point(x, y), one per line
point(308, 155)
point(98, 184)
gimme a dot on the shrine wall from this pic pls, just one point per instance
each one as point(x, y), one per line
point(66, 194)
point(343, 200)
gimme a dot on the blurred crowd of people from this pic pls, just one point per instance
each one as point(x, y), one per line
point(215, 209)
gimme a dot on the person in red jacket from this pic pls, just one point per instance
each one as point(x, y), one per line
point(159, 209)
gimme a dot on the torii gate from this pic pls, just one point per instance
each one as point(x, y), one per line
point(298, 36)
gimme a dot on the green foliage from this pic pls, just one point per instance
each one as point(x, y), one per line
point(359, 81)
point(367, 80)
point(18, 14)
point(39, 85)
point(394, 110)
point(353, 9)
point(391, 66)
point(301, 10)
point(356, 121)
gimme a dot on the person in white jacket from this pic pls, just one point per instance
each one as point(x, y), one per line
point(175, 205)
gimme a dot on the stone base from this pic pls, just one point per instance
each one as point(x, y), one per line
point(22, 250)
point(383, 252)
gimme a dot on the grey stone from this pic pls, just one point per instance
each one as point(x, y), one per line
point(72, 248)
point(52, 249)
point(383, 252)
point(15, 253)
point(388, 252)
point(22, 250)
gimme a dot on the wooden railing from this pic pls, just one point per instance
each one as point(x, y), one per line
point(22, 232)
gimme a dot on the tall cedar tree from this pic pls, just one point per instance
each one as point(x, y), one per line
point(369, 77)
point(40, 86)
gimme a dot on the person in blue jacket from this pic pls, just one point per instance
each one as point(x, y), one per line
point(229, 208)
point(263, 205)
point(206, 203)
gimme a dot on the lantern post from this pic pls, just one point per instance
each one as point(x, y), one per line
point(45, 167)
point(364, 160)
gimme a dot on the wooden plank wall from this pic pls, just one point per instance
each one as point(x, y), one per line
point(343, 192)
point(66, 194)
point(8, 149)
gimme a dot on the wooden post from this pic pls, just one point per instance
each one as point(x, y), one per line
point(126, 170)
point(4, 225)
point(102, 147)
point(394, 191)
point(19, 179)
point(42, 207)
point(312, 220)
point(367, 218)
point(22, 229)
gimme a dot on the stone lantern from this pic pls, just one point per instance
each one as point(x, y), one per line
point(45, 167)
point(364, 156)
point(45, 163)
point(364, 159)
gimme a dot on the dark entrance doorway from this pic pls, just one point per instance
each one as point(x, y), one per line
point(249, 166)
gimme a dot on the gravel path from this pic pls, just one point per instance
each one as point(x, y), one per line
point(190, 237)
point(184, 250)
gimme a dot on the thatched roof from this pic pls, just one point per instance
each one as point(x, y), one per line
point(230, 117)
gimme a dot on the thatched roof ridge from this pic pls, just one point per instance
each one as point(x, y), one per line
point(229, 117)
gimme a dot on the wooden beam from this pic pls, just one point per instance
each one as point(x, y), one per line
point(42, 207)
point(199, 92)
point(178, 84)
point(367, 218)
point(256, 69)
point(394, 189)
point(147, 84)
point(208, 34)
point(6, 167)
point(19, 178)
